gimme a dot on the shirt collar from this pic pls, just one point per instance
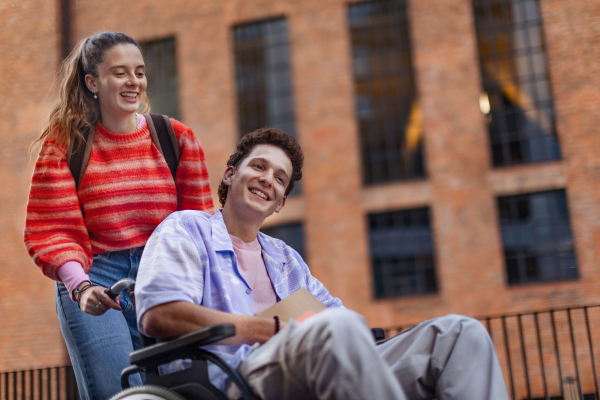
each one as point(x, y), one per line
point(269, 249)
point(222, 241)
point(220, 236)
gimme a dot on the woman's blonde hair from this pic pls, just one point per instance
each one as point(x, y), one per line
point(77, 111)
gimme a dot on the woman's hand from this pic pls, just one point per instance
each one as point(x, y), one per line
point(94, 301)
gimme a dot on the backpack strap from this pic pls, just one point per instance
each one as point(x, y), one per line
point(163, 137)
point(79, 158)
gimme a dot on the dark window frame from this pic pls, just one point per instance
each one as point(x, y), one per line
point(520, 218)
point(270, 99)
point(162, 105)
point(403, 263)
point(386, 99)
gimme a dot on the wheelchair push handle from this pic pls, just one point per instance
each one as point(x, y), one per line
point(119, 286)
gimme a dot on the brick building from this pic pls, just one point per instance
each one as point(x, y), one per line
point(452, 163)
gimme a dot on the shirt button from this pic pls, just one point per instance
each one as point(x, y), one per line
point(248, 291)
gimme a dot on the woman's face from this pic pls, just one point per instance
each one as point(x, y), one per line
point(121, 81)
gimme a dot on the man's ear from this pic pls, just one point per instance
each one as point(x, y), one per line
point(91, 83)
point(228, 175)
point(280, 206)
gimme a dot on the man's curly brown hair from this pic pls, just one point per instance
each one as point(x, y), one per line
point(271, 136)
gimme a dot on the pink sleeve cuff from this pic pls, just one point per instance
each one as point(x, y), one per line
point(72, 274)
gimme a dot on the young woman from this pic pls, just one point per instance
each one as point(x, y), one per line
point(89, 237)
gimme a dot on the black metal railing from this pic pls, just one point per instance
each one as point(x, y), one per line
point(54, 383)
point(550, 355)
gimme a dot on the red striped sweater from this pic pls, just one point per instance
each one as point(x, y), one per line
point(127, 190)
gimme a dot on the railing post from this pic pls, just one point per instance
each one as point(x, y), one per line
point(539, 340)
point(5, 376)
point(49, 383)
point(556, 349)
point(524, 353)
point(574, 351)
point(512, 383)
point(587, 325)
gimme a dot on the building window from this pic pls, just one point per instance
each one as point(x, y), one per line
point(536, 234)
point(291, 234)
point(402, 253)
point(517, 98)
point(161, 71)
point(387, 107)
point(263, 78)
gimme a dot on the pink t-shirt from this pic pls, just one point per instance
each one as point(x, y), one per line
point(253, 268)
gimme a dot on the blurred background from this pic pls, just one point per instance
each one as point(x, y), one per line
point(452, 158)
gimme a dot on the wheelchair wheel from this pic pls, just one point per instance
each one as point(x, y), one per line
point(147, 392)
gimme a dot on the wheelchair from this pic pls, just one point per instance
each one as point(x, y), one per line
point(191, 383)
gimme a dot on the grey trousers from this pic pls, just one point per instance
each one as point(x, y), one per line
point(332, 356)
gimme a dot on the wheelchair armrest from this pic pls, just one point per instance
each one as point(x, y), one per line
point(181, 347)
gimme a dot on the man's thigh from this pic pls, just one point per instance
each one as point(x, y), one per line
point(329, 356)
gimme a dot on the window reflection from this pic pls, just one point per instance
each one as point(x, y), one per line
point(536, 234)
point(387, 108)
point(516, 81)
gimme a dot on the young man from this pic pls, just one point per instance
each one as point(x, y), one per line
point(200, 269)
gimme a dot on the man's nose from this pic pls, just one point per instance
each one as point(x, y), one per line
point(267, 178)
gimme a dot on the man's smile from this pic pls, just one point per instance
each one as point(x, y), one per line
point(259, 193)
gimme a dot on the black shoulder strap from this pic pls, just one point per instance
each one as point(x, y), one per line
point(78, 156)
point(163, 136)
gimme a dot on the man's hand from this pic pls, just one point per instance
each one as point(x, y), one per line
point(171, 320)
point(94, 301)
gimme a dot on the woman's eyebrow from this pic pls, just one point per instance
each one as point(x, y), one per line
point(125, 66)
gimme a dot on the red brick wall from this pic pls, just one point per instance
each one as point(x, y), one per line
point(29, 44)
point(460, 188)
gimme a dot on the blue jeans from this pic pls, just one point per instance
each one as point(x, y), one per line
point(99, 347)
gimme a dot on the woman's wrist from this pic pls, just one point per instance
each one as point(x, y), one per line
point(72, 275)
point(78, 291)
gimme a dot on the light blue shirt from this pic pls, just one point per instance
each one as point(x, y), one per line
point(190, 257)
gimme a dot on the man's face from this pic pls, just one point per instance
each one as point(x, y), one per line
point(257, 186)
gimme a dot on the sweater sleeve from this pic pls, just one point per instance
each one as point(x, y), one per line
point(55, 231)
point(191, 179)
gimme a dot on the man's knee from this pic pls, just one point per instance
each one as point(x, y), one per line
point(338, 320)
point(467, 328)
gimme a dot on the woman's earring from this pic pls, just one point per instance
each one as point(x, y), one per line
point(95, 95)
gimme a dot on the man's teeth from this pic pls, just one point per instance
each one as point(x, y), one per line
point(130, 95)
point(264, 196)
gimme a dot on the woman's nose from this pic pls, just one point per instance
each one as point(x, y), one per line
point(133, 80)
